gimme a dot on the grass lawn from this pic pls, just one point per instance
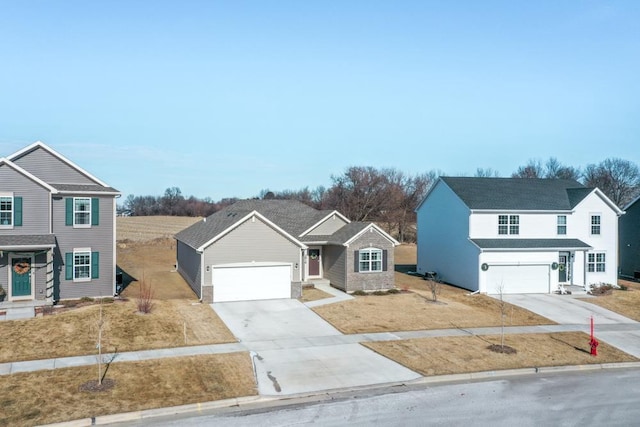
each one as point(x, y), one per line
point(74, 332)
point(313, 294)
point(626, 303)
point(453, 355)
point(416, 310)
point(54, 396)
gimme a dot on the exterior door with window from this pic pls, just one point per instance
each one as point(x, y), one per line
point(20, 277)
point(314, 262)
point(563, 267)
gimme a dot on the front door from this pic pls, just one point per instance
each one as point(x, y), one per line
point(563, 267)
point(314, 262)
point(20, 277)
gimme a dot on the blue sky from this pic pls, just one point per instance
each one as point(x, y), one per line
point(225, 99)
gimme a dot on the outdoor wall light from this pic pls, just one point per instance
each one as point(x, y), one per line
point(484, 266)
point(554, 266)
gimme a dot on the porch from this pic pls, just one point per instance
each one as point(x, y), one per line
point(16, 310)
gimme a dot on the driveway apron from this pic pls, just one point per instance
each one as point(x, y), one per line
point(568, 310)
point(287, 359)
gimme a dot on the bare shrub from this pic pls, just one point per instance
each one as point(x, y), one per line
point(145, 298)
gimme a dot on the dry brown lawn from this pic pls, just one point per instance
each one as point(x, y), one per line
point(74, 332)
point(143, 228)
point(626, 303)
point(41, 397)
point(415, 309)
point(313, 294)
point(453, 355)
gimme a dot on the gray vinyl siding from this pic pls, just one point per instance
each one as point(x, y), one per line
point(629, 241)
point(333, 265)
point(35, 202)
point(370, 281)
point(189, 266)
point(50, 169)
point(328, 227)
point(100, 238)
point(4, 273)
point(251, 241)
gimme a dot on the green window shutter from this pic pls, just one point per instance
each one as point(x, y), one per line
point(68, 266)
point(68, 211)
point(95, 265)
point(17, 211)
point(95, 211)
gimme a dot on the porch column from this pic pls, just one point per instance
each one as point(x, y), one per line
point(49, 277)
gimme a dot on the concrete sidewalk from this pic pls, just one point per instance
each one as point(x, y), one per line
point(287, 343)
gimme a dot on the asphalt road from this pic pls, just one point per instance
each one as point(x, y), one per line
point(593, 398)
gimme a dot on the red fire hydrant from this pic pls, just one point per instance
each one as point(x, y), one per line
point(593, 342)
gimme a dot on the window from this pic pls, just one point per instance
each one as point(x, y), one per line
point(596, 262)
point(595, 224)
point(82, 211)
point(562, 224)
point(81, 266)
point(508, 224)
point(6, 210)
point(370, 260)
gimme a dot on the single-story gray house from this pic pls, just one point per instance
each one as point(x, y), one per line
point(267, 249)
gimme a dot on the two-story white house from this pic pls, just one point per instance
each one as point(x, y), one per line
point(520, 235)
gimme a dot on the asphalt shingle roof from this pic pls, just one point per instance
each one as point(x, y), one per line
point(292, 216)
point(554, 244)
point(83, 188)
point(35, 240)
point(518, 193)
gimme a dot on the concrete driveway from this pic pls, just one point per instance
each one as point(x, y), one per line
point(610, 327)
point(295, 351)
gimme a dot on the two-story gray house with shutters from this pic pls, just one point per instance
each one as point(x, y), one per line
point(57, 228)
point(267, 249)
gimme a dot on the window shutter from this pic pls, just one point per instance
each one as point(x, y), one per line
point(95, 211)
point(68, 211)
point(356, 261)
point(17, 211)
point(384, 260)
point(95, 265)
point(68, 266)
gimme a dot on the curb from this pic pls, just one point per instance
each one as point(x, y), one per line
point(195, 408)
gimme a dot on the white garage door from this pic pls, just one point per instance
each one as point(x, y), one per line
point(253, 282)
point(518, 279)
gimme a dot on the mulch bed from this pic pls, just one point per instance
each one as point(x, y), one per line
point(505, 349)
point(93, 386)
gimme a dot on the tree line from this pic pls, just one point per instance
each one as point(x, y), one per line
point(389, 197)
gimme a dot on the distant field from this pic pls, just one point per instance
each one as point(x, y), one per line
point(144, 228)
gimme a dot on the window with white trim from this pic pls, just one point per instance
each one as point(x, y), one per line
point(6, 210)
point(508, 224)
point(82, 265)
point(562, 224)
point(596, 262)
point(82, 211)
point(595, 224)
point(370, 260)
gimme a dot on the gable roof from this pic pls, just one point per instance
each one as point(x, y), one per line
point(291, 217)
point(518, 193)
point(41, 145)
point(631, 203)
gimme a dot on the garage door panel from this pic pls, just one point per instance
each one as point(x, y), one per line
point(518, 279)
point(244, 283)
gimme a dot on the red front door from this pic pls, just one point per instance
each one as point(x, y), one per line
point(314, 262)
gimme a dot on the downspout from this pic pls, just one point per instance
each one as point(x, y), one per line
point(202, 274)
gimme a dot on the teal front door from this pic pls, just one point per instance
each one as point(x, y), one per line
point(20, 277)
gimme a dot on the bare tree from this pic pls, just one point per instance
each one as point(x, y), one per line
point(533, 169)
point(486, 173)
point(554, 169)
point(502, 305)
point(100, 324)
point(617, 178)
